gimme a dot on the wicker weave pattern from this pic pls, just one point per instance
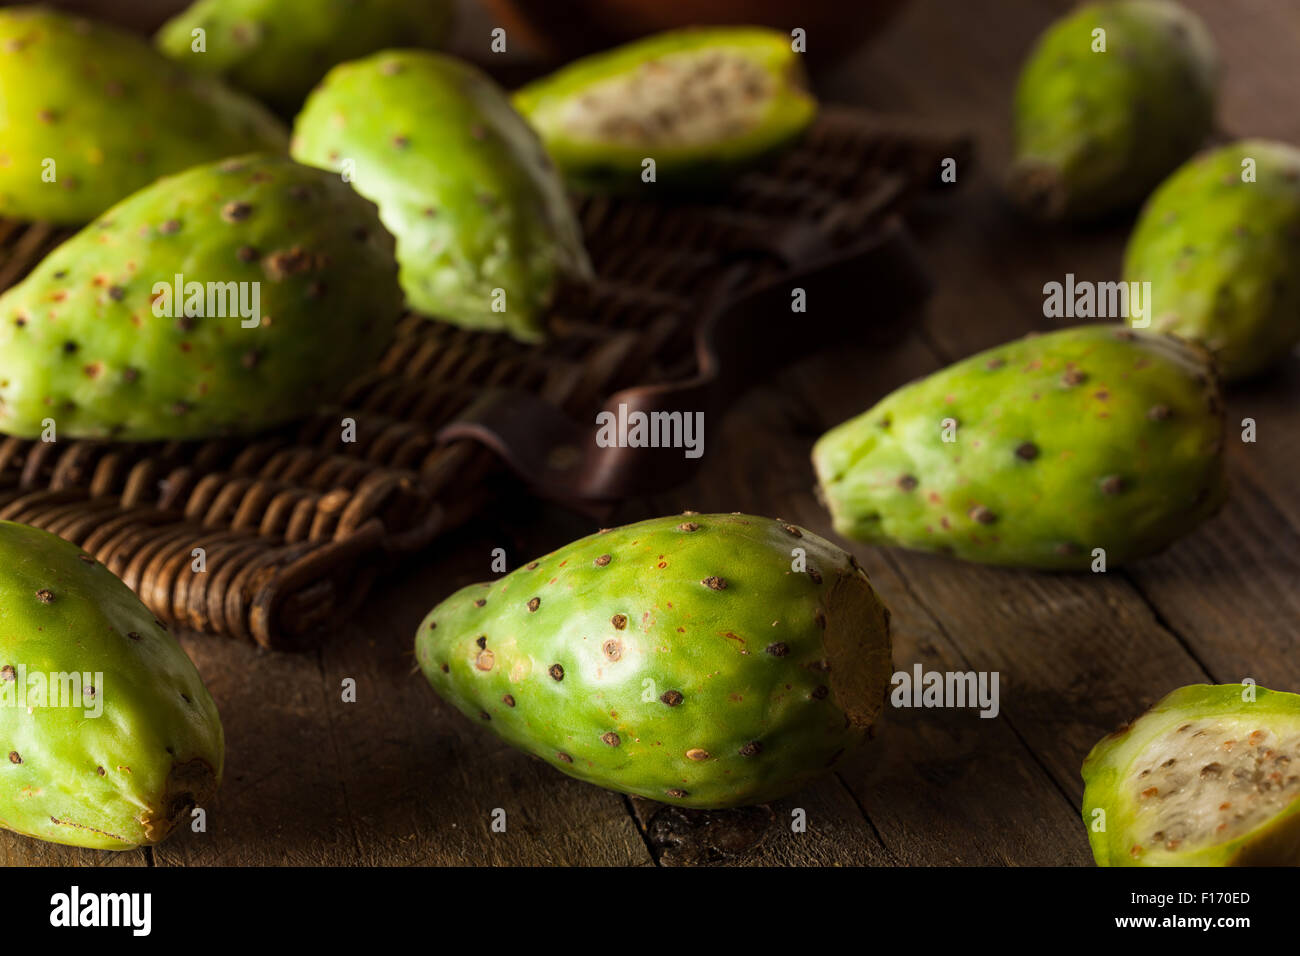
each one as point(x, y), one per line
point(294, 524)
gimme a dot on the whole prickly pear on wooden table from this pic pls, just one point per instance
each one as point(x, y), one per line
point(484, 229)
point(1219, 242)
point(1209, 776)
point(1096, 128)
point(223, 300)
point(701, 660)
point(89, 114)
point(277, 50)
point(1036, 453)
point(108, 738)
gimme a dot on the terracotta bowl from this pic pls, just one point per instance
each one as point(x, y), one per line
point(564, 29)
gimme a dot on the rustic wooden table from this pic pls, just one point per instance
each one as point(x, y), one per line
point(397, 778)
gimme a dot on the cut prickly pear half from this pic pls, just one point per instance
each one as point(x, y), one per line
point(699, 103)
point(702, 660)
point(1209, 776)
point(111, 738)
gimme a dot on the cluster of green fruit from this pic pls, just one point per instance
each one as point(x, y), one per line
point(704, 660)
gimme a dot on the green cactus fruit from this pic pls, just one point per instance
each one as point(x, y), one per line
point(1222, 254)
point(1095, 131)
point(277, 50)
point(89, 114)
point(700, 102)
point(287, 290)
point(702, 660)
point(1037, 452)
point(1209, 776)
point(484, 230)
point(110, 736)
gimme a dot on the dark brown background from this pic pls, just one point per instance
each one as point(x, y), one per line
point(398, 778)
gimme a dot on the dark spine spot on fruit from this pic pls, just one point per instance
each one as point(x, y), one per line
point(556, 672)
point(531, 567)
point(251, 359)
point(481, 641)
point(484, 715)
point(982, 514)
point(611, 738)
point(100, 771)
point(820, 692)
point(780, 648)
point(815, 575)
point(1073, 377)
point(85, 559)
point(116, 293)
point(446, 669)
point(677, 793)
point(751, 749)
point(613, 649)
point(994, 364)
point(672, 697)
point(1111, 485)
point(715, 583)
point(133, 635)
point(45, 596)
point(564, 757)
point(69, 348)
point(619, 621)
point(1159, 413)
point(508, 700)
point(7, 673)
point(480, 602)
point(14, 757)
point(246, 254)
point(236, 211)
point(1027, 451)
point(907, 482)
point(534, 604)
point(601, 561)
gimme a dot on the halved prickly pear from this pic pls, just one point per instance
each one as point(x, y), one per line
point(701, 660)
point(1219, 242)
point(1114, 96)
point(108, 737)
point(223, 300)
point(277, 50)
point(699, 102)
point(89, 114)
point(1037, 453)
point(484, 230)
point(1209, 776)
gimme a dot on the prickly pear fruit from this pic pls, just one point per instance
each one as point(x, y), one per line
point(1096, 130)
point(287, 289)
point(110, 736)
point(1209, 776)
point(89, 114)
point(702, 660)
point(277, 50)
point(1221, 254)
point(484, 231)
point(1037, 452)
point(700, 102)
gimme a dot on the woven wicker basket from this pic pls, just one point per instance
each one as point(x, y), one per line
point(691, 301)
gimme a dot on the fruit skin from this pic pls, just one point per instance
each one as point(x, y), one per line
point(606, 165)
point(1108, 773)
point(277, 50)
point(1222, 255)
point(111, 112)
point(158, 741)
point(80, 342)
point(679, 658)
point(1091, 437)
point(460, 180)
point(1095, 132)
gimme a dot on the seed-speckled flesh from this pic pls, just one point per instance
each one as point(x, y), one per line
point(700, 662)
point(1207, 777)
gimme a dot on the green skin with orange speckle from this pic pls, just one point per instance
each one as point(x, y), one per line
point(90, 343)
point(691, 659)
point(277, 50)
point(460, 179)
point(1209, 776)
point(119, 755)
point(1091, 437)
point(1095, 131)
point(112, 114)
point(1221, 254)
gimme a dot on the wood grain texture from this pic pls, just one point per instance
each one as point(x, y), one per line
point(398, 778)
